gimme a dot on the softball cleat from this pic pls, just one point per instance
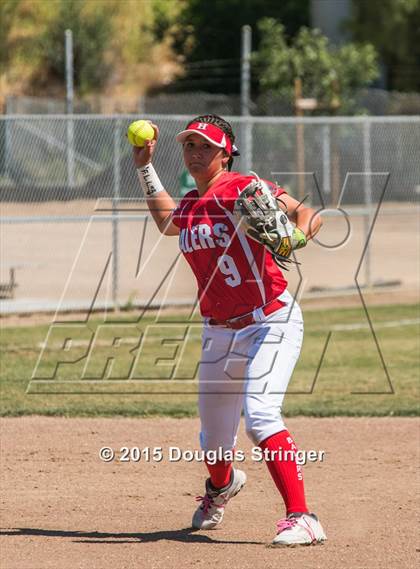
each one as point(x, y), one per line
point(299, 529)
point(210, 512)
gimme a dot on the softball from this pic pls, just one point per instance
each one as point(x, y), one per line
point(140, 131)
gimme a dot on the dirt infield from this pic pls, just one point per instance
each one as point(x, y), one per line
point(64, 508)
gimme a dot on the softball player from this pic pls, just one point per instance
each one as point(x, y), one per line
point(253, 328)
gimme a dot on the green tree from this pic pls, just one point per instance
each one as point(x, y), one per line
point(393, 27)
point(7, 17)
point(92, 33)
point(331, 75)
point(207, 35)
point(165, 18)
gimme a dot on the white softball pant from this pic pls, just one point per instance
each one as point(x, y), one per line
point(248, 369)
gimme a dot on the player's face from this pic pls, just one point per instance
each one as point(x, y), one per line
point(203, 159)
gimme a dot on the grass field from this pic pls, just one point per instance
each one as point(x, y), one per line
point(351, 379)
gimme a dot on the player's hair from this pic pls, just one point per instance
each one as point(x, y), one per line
point(220, 123)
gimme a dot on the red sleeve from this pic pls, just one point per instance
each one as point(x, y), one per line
point(277, 190)
point(176, 217)
point(175, 220)
point(177, 212)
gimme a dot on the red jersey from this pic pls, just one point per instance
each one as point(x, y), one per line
point(235, 274)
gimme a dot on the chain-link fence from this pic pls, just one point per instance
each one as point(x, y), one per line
point(55, 168)
point(61, 158)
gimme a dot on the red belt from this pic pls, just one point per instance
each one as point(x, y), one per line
point(248, 318)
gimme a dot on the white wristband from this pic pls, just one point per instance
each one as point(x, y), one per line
point(149, 180)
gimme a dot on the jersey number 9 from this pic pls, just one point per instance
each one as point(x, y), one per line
point(227, 266)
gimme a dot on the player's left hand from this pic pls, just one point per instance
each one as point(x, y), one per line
point(284, 238)
point(262, 218)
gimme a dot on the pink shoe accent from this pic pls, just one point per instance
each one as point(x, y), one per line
point(287, 523)
point(207, 502)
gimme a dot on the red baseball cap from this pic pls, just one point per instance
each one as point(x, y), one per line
point(210, 132)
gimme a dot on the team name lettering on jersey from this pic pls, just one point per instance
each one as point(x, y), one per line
point(203, 236)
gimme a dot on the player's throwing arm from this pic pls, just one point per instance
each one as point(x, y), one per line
point(160, 203)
